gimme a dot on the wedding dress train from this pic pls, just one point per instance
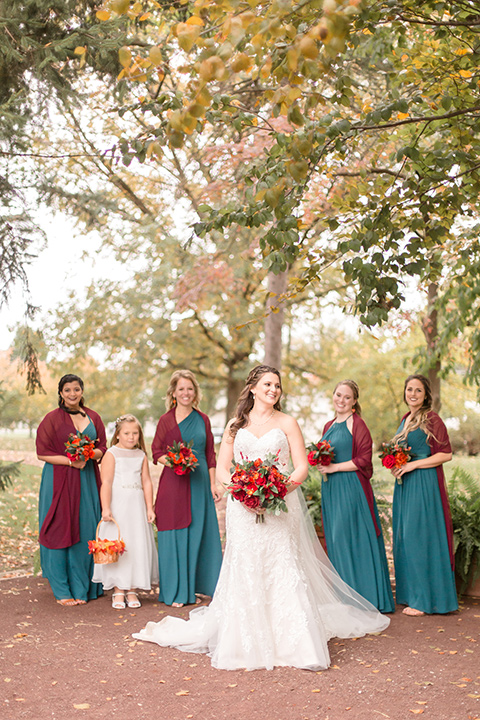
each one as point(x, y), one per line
point(278, 599)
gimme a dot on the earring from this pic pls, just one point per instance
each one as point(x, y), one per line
point(174, 401)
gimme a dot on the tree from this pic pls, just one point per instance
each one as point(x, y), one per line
point(393, 123)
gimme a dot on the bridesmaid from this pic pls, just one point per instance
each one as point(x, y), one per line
point(189, 548)
point(350, 517)
point(422, 524)
point(69, 502)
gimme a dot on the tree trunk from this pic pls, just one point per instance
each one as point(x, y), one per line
point(430, 330)
point(234, 388)
point(277, 286)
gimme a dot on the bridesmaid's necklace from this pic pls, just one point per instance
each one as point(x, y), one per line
point(336, 421)
point(261, 423)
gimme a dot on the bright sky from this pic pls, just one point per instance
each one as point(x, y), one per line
point(58, 268)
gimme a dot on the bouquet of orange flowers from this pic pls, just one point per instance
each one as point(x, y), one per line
point(181, 457)
point(79, 447)
point(394, 455)
point(320, 453)
point(259, 484)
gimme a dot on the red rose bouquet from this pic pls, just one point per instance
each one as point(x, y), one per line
point(320, 453)
point(394, 454)
point(181, 458)
point(259, 484)
point(79, 447)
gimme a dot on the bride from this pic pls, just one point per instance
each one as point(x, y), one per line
point(278, 599)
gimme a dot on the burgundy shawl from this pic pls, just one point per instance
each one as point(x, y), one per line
point(172, 504)
point(61, 526)
point(440, 442)
point(362, 457)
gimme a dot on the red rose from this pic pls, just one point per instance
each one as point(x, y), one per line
point(325, 459)
point(252, 501)
point(311, 458)
point(388, 461)
point(180, 470)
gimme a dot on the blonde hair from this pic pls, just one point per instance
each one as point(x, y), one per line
point(420, 419)
point(170, 401)
point(128, 419)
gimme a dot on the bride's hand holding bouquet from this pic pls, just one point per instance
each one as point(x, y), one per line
point(260, 486)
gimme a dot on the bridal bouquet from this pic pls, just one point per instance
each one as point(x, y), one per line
point(320, 453)
point(181, 458)
point(259, 484)
point(394, 454)
point(79, 447)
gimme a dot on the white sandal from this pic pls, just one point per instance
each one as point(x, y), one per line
point(118, 604)
point(133, 603)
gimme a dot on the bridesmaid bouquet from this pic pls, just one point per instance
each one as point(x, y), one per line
point(394, 454)
point(259, 484)
point(320, 453)
point(181, 457)
point(79, 447)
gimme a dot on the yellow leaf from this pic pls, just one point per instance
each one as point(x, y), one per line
point(145, 16)
point(103, 15)
point(461, 51)
point(418, 711)
point(124, 56)
point(155, 55)
point(195, 20)
point(80, 50)
point(465, 73)
point(241, 62)
point(404, 58)
point(120, 6)
point(316, 691)
point(233, 685)
point(82, 706)
point(182, 692)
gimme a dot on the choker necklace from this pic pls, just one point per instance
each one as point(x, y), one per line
point(74, 412)
point(261, 423)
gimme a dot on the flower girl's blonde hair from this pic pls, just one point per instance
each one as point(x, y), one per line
point(126, 419)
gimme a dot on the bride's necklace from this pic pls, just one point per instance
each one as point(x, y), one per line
point(261, 423)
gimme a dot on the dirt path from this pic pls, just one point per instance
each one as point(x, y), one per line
point(82, 662)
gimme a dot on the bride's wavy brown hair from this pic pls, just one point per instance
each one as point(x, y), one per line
point(420, 419)
point(245, 401)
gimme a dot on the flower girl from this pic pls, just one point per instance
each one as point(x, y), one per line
point(127, 496)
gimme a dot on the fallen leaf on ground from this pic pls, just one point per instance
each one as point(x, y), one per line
point(182, 692)
point(82, 706)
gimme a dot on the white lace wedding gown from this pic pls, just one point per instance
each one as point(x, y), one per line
point(278, 599)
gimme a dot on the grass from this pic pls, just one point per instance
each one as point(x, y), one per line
point(19, 504)
point(19, 550)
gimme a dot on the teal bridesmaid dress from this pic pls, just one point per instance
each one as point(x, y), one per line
point(69, 570)
point(424, 576)
point(353, 546)
point(190, 558)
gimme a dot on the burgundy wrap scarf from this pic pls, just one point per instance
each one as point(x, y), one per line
point(362, 458)
point(61, 527)
point(440, 442)
point(172, 504)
